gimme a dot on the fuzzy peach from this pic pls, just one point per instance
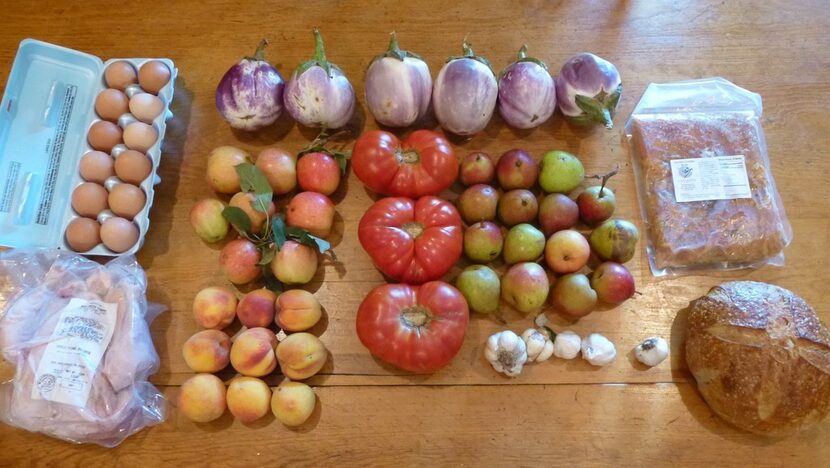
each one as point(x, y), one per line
point(206, 219)
point(293, 402)
point(207, 351)
point(252, 353)
point(256, 309)
point(297, 310)
point(301, 355)
point(311, 211)
point(248, 398)
point(246, 202)
point(221, 172)
point(238, 261)
point(214, 307)
point(295, 263)
point(202, 398)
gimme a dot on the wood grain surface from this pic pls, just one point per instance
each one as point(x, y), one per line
point(369, 413)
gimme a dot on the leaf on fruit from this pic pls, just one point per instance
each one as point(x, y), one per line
point(238, 219)
point(267, 255)
point(253, 181)
point(304, 237)
point(278, 231)
point(271, 282)
point(342, 158)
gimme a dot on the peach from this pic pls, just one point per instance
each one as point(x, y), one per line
point(214, 307)
point(311, 211)
point(295, 263)
point(221, 175)
point(256, 309)
point(202, 398)
point(248, 398)
point(207, 351)
point(252, 353)
point(207, 220)
point(244, 201)
point(297, 310)
point(238, 261)
point(301, 355)
point(280, 168)
point(293, 402)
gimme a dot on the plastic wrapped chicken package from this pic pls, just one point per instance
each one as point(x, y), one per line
point(77, 336)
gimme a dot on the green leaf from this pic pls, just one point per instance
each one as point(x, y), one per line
point(306, 238)
point(278, 231)
point(238, 218)
point(594, 110)
point(252, 180)
point(613, 99)
point(271, 283)
point(267, 255)
point(342, 158)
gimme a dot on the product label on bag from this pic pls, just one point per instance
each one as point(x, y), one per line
point(717, 178)
point(70, 360)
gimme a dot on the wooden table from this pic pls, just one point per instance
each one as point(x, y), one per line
point(557, 412)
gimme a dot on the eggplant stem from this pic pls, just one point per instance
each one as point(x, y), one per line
point(606, 115)
point(320, 52)
point(523, 52)
point(466, 46)
point(260, 50)
point(394, 49)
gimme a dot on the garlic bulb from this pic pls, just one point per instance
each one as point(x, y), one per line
point(506, 352)
point(652, 351)
point(566, 345)
point(538, 344)
point(598, 350)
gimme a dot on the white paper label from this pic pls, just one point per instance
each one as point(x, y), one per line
point(71, 358)
point(717, 178)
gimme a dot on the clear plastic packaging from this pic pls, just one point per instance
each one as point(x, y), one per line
point(706, 192)
point(77, 334)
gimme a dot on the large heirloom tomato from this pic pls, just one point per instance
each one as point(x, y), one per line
point(423, 164)
point(412, 241)
point(417, 328)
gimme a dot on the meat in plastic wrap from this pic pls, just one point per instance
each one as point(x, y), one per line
point(77, 335)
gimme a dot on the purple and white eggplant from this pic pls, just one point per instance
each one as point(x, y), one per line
point(527, 93)
point(465, 92)
point(318, 94)
point(249, 96)
point(588, 89)
point(398, 86)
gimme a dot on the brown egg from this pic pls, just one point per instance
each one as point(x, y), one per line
point(110, 104)
point(119, 234)
point(146, 107)
point(104, 135)
point(89, 199)
point(153, 75)
point(83, 234)
point(96, 166)
point(120, 74)
point(126, 200)
point(139, 136)
point(133, 167)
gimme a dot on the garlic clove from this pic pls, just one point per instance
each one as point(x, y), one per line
point(598, 350)
point(652, 351)
point(566, 345)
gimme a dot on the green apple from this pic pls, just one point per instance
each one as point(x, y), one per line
point(523, 243)
point(561, 172)
point(481, 287)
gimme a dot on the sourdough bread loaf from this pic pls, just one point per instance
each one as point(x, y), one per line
point(760, 356)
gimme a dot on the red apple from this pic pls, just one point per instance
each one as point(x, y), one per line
point(613, 283)
point(518, 206)
point(280, 168)
point(476, 168)
point(573, 295)
point(478, 203)
point(596, 204)
point(311, 211)
point(516, 170)
point(567, 251)
point(557, 212)
point(318, 172)
point(525, 287)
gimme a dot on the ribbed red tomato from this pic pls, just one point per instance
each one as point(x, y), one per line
point(417, 328)
point(412, 241)
point(423, 164)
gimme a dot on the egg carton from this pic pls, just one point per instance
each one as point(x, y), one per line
point(47, 108)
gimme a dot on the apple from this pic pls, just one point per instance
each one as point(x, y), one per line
point(525, 287)
point(481, 287)
point(318, 172)
point(523, 243)
point(517, 206)
point(615, 240)
point(573, 295)
point(557, 212)
point(311, 211)
point(561, 172)
point(567, 251)
point(476, 168)
point(483, 242)
point(516, 170)
point(596, 204)
point(478, 203)
point(613, 283)
point(280, 168)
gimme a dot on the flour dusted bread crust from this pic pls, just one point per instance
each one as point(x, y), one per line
point(738, 232)
point(760, 356)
